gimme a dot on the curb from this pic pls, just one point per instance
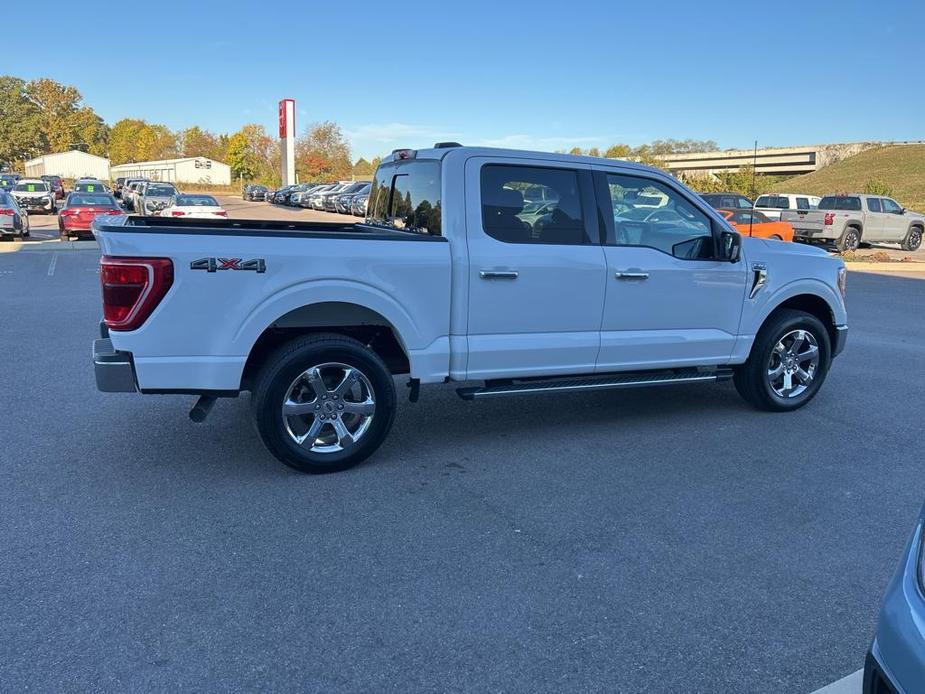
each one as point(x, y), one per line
point(887, 267)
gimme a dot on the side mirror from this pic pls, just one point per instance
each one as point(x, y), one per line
point(730, 246)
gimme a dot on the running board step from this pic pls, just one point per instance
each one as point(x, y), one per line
point(637, 380)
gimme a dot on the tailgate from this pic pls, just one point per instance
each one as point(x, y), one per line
point(805, 222)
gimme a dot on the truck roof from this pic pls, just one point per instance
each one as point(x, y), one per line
point(441, 152)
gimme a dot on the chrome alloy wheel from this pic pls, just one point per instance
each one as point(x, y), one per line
point(329, 407)
point(793, 364)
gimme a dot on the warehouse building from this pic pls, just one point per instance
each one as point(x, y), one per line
point(73, 164)
point(186, 170)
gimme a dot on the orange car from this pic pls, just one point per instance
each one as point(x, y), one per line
point(753, 223)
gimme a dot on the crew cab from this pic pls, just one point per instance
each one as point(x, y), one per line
point(852, 218)
point(626, 278)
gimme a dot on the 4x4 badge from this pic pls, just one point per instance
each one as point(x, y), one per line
point(215, 264)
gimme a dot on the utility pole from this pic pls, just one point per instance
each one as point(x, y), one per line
point(751, 217)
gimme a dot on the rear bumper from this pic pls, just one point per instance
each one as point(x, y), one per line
point(115, 372)
point(841, 337)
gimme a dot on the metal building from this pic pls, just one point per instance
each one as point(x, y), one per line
point(186, 170)
point(73, 164)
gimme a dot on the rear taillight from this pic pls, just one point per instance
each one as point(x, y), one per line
point(132, 289)
point(177, 213)
point(829, 219)
point(114, 211)
point(7, 211)
point(222, 213)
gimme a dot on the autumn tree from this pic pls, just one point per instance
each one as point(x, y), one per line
point(619, 151)
point(196, 142)
point(322, 153)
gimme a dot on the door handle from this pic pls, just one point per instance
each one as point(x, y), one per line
point(498, 274)
point(631, 275)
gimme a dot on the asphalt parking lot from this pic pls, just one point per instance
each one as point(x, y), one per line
point(656, 541)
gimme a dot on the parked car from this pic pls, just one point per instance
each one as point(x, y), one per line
point(7, 181)
point(295, 195)
point(358, 205)
point(754, 223)
point(772, 204)
point(79, 211)
point(154, 197)
point(895, 662)
point(14, 221)
point(34, 195)
point(90, 185)
point(56, 183)
point(327, 198)
point(118, 185)
point(254, 192)
point(129, 190)
point(284, 194)
point(849, 219)
point(316, 196)
point(728, 201)
point(192, 206)
point(444, 282)
point(343, 199)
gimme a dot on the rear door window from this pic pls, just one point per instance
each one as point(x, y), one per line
point(532, 204)
point(873, 205)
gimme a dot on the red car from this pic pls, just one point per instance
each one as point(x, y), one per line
point(78, 213)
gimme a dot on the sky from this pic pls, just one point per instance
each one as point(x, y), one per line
point(532, 75)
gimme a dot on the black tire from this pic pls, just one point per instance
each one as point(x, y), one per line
point(751, 379)
point(913, 240)
point(850, 240)
point(285, 365)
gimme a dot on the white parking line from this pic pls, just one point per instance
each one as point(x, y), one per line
point(51, 266)
point(846, 685)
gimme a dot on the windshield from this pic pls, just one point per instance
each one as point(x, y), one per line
point(195, 201)
point(163, 191)
point(89, 199)
point(88, 187)
point(32, 187)
point(405, 195)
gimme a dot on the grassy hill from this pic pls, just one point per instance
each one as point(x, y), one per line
point(900, 167)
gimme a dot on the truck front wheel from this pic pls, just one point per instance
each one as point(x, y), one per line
point(323, 403)
point(788, 362)
point(913, 239)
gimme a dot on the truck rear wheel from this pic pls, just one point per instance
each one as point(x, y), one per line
point(788, 363)
point(323, 403)
point(850, 240)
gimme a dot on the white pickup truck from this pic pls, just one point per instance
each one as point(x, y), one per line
point(507, 272)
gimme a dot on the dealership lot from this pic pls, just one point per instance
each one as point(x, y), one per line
point(472, 552)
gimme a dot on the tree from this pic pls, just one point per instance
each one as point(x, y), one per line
point(619, 151)
point(361, 167)
point(88, 132)
point(240, 157)
point(123, 140)
point(56, 104)
point(322, 153)
point(576, 151)
point(594, 152)
point(21, 136)
point(196, 142)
